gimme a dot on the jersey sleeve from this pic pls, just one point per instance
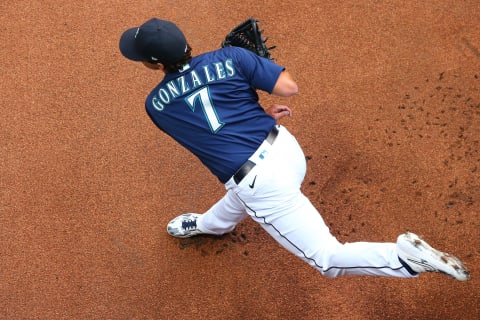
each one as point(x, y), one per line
point(261, 73)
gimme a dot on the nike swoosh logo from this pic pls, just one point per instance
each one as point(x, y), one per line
point(251, 185)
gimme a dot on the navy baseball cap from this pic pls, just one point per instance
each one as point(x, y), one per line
point(155, 40)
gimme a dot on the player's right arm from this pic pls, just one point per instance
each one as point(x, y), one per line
point(285, 85)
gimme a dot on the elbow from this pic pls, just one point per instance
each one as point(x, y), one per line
point(291, 89)
point(285, 86)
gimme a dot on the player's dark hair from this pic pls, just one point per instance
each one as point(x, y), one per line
point(177, 66)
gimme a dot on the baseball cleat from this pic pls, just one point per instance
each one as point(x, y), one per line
point(421, 257)
point(184, 226)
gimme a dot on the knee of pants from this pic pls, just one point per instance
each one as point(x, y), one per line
point(328, 260)
point(332, 273)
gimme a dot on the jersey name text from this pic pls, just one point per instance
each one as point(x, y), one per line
point(192, 80)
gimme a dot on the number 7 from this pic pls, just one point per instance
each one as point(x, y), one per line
point(206, 103)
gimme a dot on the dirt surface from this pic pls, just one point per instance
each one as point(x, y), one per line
point(388, 114)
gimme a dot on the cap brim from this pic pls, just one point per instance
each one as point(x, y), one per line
point(127, 45)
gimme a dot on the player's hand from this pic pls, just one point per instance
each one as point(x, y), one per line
point(278, 111)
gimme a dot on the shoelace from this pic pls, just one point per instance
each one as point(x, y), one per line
point(189, 224)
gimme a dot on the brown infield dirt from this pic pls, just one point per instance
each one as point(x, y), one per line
point(388, 115)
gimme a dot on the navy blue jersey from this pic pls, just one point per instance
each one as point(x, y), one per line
point(211, 107)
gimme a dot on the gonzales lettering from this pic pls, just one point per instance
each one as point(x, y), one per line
point(192, 80)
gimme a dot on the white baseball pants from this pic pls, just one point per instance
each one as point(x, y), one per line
point(270, 194)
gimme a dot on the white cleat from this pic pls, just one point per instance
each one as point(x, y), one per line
point(421, 257)
point(184, 226)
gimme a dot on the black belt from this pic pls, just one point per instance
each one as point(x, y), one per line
point(247, 166)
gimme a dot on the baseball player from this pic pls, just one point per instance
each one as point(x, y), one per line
point(209, 104)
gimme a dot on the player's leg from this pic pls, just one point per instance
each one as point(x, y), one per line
point(306, 235)
point(221, 218)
